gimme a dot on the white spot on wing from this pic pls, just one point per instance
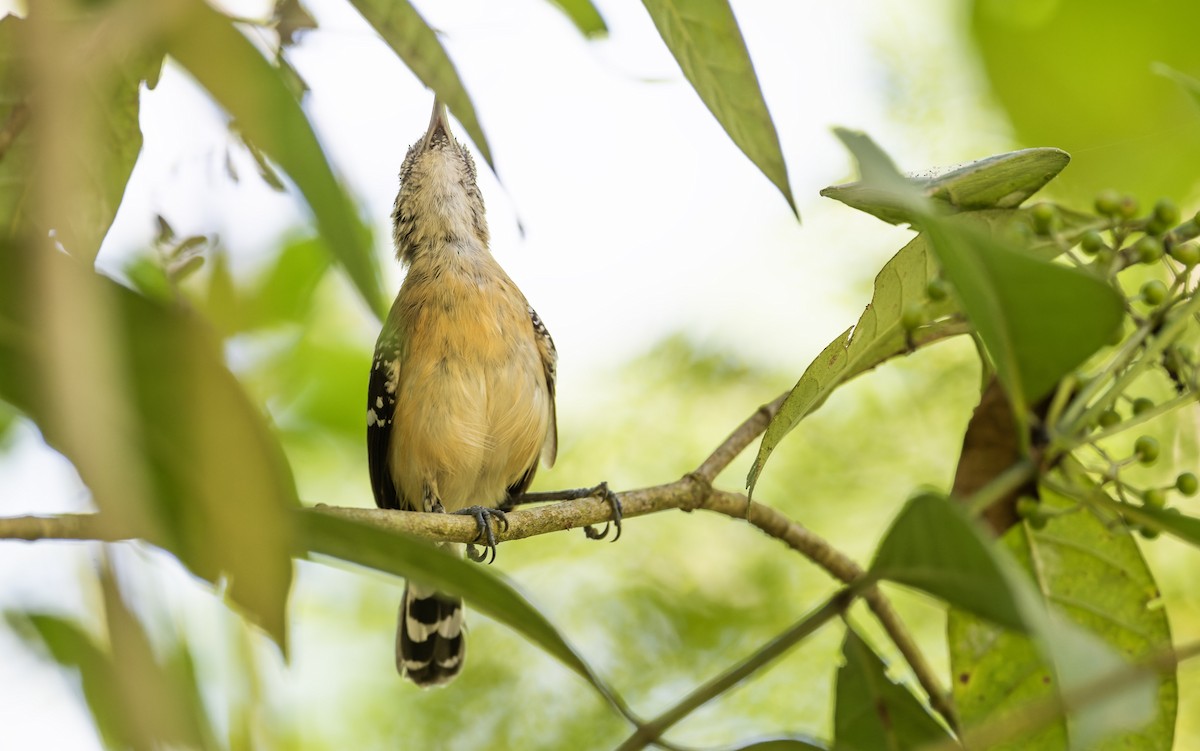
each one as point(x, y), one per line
point(372, 418)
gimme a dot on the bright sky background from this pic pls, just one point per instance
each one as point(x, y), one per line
point(641, 217)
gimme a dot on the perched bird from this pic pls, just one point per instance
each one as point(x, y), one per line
point(461, 396)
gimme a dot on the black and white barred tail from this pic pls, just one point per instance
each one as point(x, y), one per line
point(430, 644)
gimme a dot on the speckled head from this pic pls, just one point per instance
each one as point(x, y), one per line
point(439, 203)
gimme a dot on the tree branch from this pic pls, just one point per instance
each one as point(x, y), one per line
point(692, 491)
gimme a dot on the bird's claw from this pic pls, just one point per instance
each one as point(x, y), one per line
point(486, 534)
point(602, 491)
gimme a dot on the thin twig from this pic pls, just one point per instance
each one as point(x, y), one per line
point(771, 651)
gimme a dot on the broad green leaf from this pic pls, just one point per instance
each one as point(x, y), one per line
point(1055, 69)
point(878, 336)
point(97, 136)
point(1106, 611)
point(933, 547)
point(1025, 309)
point(158, 428)
point(1004, 181)
point(417, 45)
point(255, 94)
point(585, 17)
point(704, 37)
point(415, 559)
point(871, 712)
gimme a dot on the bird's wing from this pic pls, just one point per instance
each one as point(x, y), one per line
point(550, 364)
point(381, 408)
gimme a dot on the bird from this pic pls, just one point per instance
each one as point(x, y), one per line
point(460, 401)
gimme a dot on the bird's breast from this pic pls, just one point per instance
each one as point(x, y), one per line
point(472, 408)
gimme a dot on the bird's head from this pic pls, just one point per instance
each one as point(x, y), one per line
point(438, 201)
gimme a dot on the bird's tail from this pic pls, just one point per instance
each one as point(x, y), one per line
point(430, 643)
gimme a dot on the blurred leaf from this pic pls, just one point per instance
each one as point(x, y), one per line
point(159, 429)
point(147, 276)
point(415, 559)
point(1170, 520)
point(1027, 311)
point(704, 37)
point(136, 700)
point(585, 17)
point(872, 712)
point(933, 547)
point(1189, 84)
point(782, 744)
point(417, 45)
point(1004, 181)
point(256, 96)
point(878, 336)
point(1077, 74)
point(1096, 576)
point(283, 293)
point(98, 136)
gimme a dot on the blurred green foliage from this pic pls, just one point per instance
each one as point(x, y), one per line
point(214, 400)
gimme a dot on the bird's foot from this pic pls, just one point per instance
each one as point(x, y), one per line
point(484, 518)
point(602, 491)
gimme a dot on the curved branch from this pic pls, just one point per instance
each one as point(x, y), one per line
point(692, 491)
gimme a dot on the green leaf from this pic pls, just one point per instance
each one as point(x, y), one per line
point(1026, 310)
point(1003, 181)
point(704, 37)
point(1106, 598)
point(871, 712)
point(878, 336)
point(400, 555)
point(1038, 320)
point(933, 547)
point(96, 142)
point(585, 17)
point(1052, 67)
point(159, 430)
point(256, 95)
point(417, 45)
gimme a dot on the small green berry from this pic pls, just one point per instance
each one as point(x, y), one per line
point(1154, 292)
point(1187, 483)
point(1128, 207)
point(1146, 450)
point(1091, 242)
point(1045, 218)
point(1156, 227)
point(1166, 212)
point(1038, 521)
point(1109, 418)
point(1142, 404)
point(937, 290)
point(1108, 203)
point(1147, 533)
point(912, 317)
point(1027, 507)
point(1186, 253)
point(1148, 249)
point(1155, 497)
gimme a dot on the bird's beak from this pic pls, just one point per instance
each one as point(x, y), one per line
point(438, 122)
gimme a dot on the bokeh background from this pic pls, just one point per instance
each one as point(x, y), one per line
point(682, 293)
